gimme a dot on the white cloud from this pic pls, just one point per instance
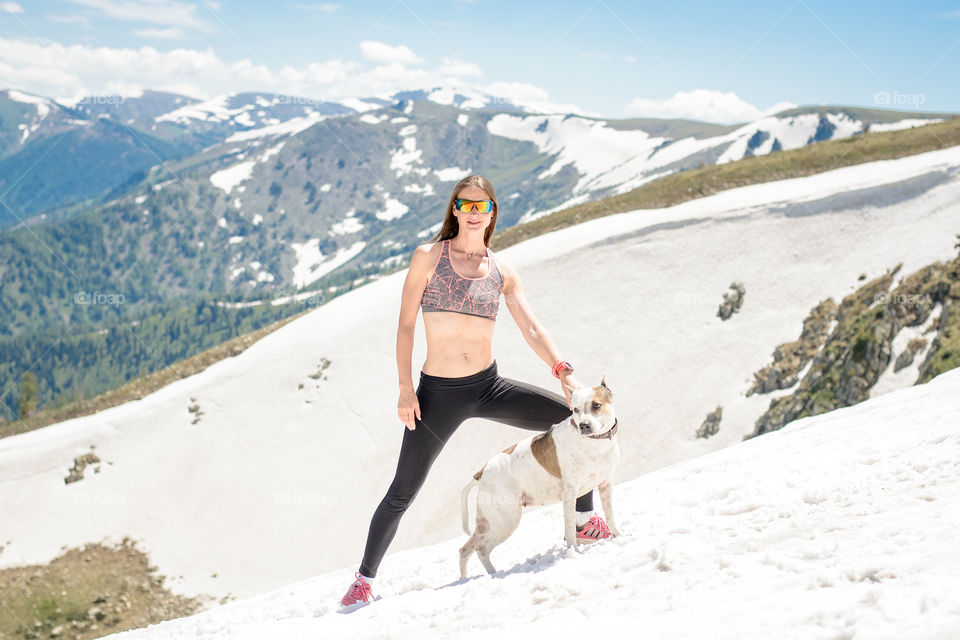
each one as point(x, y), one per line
point(454, 67)
point(69, 72)
point(165, 12)
point(382, 52)
point(169, 33)
point(703, 104)
point(83, 21)
point(531, 96)
point(11, 7)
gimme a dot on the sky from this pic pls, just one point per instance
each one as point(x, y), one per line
point(721, 62)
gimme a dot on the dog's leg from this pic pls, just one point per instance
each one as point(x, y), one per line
point(570, 515)
point(504, 518)
point(482, 528)
point(606, 499)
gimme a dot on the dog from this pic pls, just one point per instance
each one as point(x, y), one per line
point(569, 459)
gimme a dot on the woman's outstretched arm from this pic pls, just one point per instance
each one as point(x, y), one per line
point(533, 332)
point(416, 281)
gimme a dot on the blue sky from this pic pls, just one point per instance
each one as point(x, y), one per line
point(721, 61)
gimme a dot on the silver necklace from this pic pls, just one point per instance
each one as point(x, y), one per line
point(469, 255)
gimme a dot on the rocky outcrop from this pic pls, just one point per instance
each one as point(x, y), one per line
point(79, 464)
point(791, 357)
point(732, 300)
point(711, 424)
point(859, 348)
point(905, 359)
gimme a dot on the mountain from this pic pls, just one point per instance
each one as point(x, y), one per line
point(52, 156)
point(262, 200)
point(850, 515)
point(248, 457)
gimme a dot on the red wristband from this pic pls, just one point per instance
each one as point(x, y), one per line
point(559, 366)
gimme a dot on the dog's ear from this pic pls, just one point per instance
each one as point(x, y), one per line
point(603, 383)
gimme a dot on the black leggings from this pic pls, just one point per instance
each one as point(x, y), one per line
point(444, 404)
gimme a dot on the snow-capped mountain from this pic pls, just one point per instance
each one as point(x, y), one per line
point(841, 525)
point(287, 422)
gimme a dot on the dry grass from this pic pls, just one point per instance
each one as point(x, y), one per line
point(86, 593)
point(704, 181)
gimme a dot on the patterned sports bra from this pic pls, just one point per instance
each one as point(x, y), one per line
point(447, 290)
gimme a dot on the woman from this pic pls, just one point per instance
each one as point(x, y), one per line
point(458, 282)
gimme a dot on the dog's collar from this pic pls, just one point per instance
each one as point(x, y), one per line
point(605, 435)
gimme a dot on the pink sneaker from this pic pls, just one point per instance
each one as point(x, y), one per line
point(595, 529)
point(359, 591)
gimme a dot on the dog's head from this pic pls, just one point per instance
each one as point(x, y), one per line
point(593, 409)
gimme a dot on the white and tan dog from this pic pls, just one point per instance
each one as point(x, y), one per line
point(571, 458)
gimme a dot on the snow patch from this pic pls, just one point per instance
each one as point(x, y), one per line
point(392, 210)
point(313, 265)
point(227, 179)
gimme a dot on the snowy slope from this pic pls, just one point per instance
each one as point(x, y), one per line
point(844, 525)
point(250, 492)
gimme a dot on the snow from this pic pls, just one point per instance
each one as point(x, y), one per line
point(392, 210)
point(655, 277)
point(890, 379)
point(214, 109)
point(359, 105)
point(313, 265)
point(840, 525)
point(272, 151)
point(426, 189)
point(589, 145)
point(41, 104)
point(257, 219)
point(227, 179)
point(402, 160)
point(287, 127)
point(348, 225)
point(907, 123)
point(451, 174)
point(462, 119)
point(429, 231)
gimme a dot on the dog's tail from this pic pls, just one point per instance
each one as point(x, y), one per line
point(463, 504)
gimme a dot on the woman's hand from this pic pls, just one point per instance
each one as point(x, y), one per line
point(407, 407)
point(568, 383)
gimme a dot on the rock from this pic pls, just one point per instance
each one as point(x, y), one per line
point(789, 358)
point(79, 464)
point(905, 359)
point(860, 346)
point(732, 301)
point(711, 424)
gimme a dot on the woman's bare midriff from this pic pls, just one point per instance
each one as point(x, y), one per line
point(458, 344)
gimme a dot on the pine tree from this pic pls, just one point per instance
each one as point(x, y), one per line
point(28, 394)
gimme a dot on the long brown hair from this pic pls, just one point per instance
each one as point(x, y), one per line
point(451, 227)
